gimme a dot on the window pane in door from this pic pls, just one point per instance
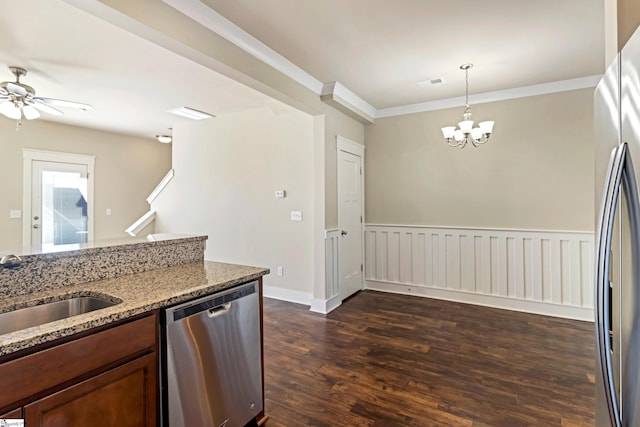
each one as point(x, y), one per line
point(64, 208)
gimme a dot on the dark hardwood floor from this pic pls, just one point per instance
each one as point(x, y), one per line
point(392, 360)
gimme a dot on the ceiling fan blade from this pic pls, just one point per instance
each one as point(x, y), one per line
point(30, 112)
point(17, 89)
point(37, 103)
point(63, 103)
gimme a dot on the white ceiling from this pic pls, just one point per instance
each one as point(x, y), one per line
point(379, 49)
point(376, 48)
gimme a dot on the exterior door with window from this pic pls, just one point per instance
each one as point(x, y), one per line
point(58, 199)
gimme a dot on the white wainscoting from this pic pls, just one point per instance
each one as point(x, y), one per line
point(543, 272)
point(332, 292)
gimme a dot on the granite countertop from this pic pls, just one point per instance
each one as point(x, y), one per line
point(139, 293)
point(28, 253)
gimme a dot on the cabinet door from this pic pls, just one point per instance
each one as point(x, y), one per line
point(15, 414)
point(124, 396)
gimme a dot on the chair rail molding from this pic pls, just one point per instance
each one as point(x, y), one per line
point(536, 271)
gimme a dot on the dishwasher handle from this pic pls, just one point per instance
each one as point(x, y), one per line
point(219, 310)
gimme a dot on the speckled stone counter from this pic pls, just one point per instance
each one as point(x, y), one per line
point(138, 293)
point(59, 266)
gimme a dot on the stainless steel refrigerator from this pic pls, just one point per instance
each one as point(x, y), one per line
point(617, 311)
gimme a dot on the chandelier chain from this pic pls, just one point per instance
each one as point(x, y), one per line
point(466, 80)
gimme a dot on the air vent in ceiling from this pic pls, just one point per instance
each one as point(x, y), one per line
point(435, 81)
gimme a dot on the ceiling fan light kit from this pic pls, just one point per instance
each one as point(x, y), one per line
point(19, 100)
point(466, 132)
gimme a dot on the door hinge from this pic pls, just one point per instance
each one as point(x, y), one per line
point(360, 170)
point(362, 268)
point(360, 219)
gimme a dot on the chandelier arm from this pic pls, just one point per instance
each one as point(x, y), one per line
point(482, 140)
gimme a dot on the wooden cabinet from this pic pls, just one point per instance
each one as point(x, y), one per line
point(118, 397)
point(108, 378)
point(16, 413)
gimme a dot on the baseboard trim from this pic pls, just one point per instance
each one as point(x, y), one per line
point(495, 301)
point(325, 306)
point(288, 295)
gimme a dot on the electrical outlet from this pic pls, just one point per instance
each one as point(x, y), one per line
point(280, 271)
point(280, 194)
point(296, 215)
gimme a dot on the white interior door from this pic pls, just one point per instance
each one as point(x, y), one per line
point(58, 198)
point(350, 253)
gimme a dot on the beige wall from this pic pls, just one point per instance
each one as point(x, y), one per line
point(213, 51)
point(535, 173)
point(628, 20)
point(127, 169)
point(227, 170)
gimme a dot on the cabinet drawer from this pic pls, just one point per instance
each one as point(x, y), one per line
point(43, 370)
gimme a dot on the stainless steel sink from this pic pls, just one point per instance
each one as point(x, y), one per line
point(40, 314)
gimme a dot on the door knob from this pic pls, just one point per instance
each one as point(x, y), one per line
point(36, 217)
point(344, 233)
point(36, 226)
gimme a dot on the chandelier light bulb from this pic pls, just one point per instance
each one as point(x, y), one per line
point(465, 132)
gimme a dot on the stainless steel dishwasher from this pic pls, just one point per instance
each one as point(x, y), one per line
point(212, 374)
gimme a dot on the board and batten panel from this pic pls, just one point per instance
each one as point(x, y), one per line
point(331, 263)
point(543, 272)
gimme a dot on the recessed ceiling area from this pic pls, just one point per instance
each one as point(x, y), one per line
point(380, 49)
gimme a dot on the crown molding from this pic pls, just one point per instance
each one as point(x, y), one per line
point(499, 95)
point(336, 94)
point(341, 97)
point(212, 20)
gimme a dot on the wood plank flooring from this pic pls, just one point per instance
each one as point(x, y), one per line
point(392, 360)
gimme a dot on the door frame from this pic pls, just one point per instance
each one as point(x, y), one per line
point(351, 147)
point(29, 156)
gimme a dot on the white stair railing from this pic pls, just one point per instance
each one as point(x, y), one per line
point(146, 219)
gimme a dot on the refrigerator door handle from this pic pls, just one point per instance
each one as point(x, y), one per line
point(603, 264)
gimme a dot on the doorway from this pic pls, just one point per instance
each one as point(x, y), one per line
point(350, 217)
point(57, 198)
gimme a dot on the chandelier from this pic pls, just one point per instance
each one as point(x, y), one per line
point(466, 132)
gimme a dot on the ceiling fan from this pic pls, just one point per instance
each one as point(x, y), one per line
point(18, 100)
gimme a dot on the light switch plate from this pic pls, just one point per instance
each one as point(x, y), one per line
point(296, 215)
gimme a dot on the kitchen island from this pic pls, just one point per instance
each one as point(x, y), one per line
point(93, 358)
point(139, 293)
